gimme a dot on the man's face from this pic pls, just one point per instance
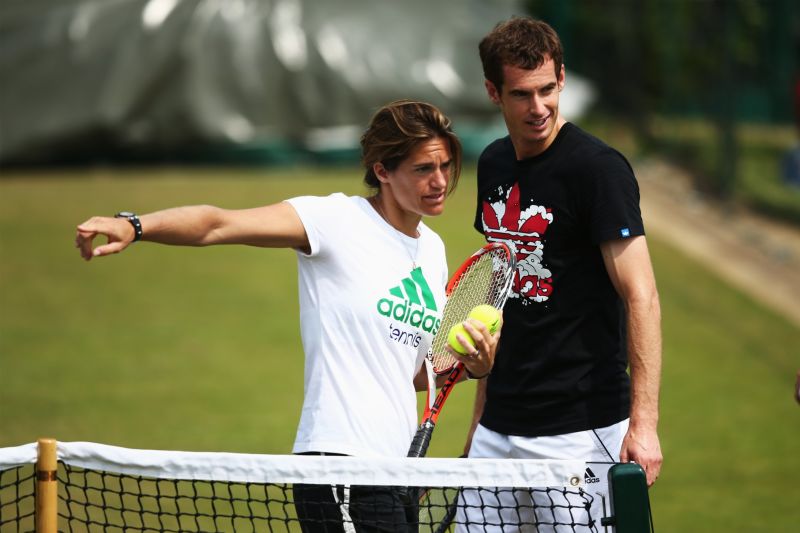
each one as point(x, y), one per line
point(529, 103)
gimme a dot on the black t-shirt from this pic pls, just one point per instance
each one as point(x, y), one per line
point(561, 363)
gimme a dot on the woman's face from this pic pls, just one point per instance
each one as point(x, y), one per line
point(419, 183)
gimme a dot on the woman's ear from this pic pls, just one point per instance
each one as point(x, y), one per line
point(380, 172)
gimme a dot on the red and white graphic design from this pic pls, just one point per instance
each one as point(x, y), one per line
point(505, 220)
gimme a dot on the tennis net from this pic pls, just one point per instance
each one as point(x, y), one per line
point(107, 488)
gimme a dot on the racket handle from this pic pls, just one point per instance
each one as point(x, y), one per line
point(419, 446)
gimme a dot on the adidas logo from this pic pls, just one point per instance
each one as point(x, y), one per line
point(589, 477)
point(412, 303)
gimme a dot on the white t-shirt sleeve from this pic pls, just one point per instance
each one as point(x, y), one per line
point(314, 212)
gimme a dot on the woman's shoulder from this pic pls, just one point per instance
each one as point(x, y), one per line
point(431, 239)
point(333, 201)
point(425, 232)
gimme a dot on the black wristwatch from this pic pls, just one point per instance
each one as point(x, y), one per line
point(471, 376)
point(135, 222)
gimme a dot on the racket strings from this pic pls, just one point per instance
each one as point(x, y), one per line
point(484, 281)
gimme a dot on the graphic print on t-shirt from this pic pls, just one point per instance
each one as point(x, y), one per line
point(410, 303)
point(505, 220)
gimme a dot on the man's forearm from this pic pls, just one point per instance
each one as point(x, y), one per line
point(477, 412)
point(644, 353)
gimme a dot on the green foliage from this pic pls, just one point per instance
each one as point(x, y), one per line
point(734, 58)
point(760, 184)
point(199, 349)
point(756, 177)
point(757, 180)
point(719, 67)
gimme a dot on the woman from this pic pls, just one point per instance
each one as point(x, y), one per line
point(372, 279)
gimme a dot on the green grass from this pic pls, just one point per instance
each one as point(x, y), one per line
point(729, 426)
point(199, 349)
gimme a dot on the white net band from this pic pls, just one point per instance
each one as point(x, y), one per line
point(253, 468)
point(17, 456)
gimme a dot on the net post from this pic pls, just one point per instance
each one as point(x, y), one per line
point(630, 502)
point(46, 487)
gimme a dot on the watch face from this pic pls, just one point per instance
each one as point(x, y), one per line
point(124, 214)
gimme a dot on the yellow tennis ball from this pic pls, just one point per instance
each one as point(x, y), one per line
point(487, 314)
point(455, 344)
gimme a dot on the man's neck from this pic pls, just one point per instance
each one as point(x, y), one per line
point(525, 151)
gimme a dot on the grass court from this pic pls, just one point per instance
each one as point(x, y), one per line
point(199, 348)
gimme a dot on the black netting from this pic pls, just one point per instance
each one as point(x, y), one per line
point(103, 501)
point(17, 499)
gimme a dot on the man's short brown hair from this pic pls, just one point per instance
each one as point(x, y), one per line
point(521, 42)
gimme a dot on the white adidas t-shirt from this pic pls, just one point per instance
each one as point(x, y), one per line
point(367, 320)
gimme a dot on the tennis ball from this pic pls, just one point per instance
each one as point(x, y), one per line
point(487, 314)
point(455, 344)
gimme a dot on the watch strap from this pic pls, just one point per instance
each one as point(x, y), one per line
point(135, 222)
point(471, 376)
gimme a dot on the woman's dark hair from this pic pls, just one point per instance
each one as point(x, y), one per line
point(397, 129)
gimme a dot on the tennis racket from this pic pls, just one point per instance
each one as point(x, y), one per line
point(484, 278)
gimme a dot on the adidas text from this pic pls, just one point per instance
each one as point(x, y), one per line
point(590, 477)
point(406, 312)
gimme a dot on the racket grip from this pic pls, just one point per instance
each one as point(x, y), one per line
point(419, 446)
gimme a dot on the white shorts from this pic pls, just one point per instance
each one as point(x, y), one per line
point(598, 446)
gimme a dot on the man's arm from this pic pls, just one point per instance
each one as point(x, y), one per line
point(275, 226)
point(628, 264)
point(477, 412)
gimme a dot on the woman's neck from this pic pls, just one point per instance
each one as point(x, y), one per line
point(394, 215)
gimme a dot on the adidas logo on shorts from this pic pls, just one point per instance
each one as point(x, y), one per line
point(589, 477)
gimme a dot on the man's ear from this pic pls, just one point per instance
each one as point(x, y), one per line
point(491, 90)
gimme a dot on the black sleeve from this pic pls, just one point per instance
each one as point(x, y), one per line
point(614, 198)
point(478, 222)
point(483, 163)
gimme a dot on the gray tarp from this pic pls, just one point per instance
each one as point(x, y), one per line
point(84, 76)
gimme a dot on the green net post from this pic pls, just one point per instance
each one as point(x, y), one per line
point(630, 503)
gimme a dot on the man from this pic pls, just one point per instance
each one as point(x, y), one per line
point(584, 304)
